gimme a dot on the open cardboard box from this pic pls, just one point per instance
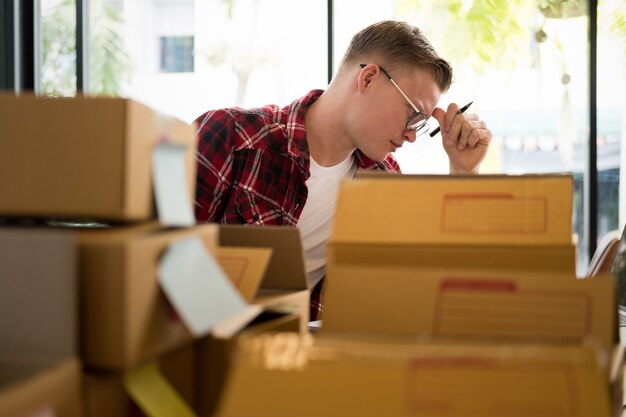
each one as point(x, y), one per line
point(397, 239)
point(125, 317)
point(287, 375)
point(216, 356)
point(266, 264)
point(84, 157)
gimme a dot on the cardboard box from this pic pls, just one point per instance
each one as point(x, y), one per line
point(504, 305)
point(125, 317)
point(266, 264)
point(400, 243)
point(106, 396)
point(486, 221)
point(215, 357)
point(38, 292)
point(38, 323)
point(30, 385)
point(277, 285)
point(282, 375)
point(84, 157)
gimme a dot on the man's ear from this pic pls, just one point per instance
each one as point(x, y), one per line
point(366, 75)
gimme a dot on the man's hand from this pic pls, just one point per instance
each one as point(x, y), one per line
point(465, 138)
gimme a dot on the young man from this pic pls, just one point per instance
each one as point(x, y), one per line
point(282, 166)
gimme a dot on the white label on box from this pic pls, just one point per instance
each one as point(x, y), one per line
point(171, 190)
point(197, 287)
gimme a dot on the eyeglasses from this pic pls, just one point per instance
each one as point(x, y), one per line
point(419, 119)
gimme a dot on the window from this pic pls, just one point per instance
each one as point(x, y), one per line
point(176, 53)
point(526, 69)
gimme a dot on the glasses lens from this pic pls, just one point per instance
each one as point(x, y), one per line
point(419, 123)
point(421, 129)
point(417, 120)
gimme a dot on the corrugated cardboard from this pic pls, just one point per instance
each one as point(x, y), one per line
point(396, 229)
point(455, 209)
point(215, 357)
point(125, 317)
point(286, 269)
point(29, 385)
point(83, 157)
point(279, 286)
point(492, 305)
point(38, 323)
point(286, 375)
point(105, 395)
point(38, 292)
point(282, 286)
point(456, 221)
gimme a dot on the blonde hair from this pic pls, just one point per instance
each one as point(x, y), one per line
point(401, 45)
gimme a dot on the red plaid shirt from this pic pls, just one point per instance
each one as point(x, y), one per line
point(253, 165)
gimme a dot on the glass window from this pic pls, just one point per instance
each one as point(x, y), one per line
point(611, 115)
point(525, 67)
point(184, 57)
point(58, 65)
point(176, 53)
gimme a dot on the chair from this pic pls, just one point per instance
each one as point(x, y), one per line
point(602, 259)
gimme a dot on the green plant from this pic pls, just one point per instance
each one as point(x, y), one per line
point(58, 70)
point(109, 62)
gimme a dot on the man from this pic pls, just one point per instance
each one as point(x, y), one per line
point(282, 166)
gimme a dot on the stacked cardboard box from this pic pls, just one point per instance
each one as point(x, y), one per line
point(445, 296)
point(114, 176)
point(39, 367)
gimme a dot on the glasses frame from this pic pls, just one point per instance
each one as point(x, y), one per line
point(419, 120)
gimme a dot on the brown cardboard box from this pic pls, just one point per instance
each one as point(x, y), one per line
point(38, 292)
point(125, 317)
point(266, 264)
point(492, 305)
point(38, 326)
point(215, 357)
point(283, 375)
point(106, 396)
point(388, 263)
point(83, 157)
point(456, 209)
point(31, 384)
point(486, 221)
point(280, 286)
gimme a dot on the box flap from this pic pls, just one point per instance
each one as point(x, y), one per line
point(286, 375)
point(470, 210)
point(286, 269)
point(557, 259)
point(503, 305)
point(245, 267)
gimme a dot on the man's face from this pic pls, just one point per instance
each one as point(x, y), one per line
point(385, 112)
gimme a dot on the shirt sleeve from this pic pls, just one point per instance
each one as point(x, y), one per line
point(214, 163)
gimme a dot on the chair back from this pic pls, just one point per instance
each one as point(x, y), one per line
point(602, 259)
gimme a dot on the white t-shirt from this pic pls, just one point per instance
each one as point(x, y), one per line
point(316, 220)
